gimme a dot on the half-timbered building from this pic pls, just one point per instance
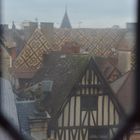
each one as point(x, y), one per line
point(81, 104)
point(89, 111)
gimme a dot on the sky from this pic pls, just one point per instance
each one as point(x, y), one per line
point(89, 13)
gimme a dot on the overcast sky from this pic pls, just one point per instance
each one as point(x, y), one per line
point(91, 13)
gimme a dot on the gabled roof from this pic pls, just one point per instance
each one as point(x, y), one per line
point(65, 22)
point(98, 42)
point(104, 85)
point(13, 38)
point(63, 70)
point(7, 103)
point(124, 91)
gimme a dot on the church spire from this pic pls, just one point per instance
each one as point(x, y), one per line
point(65, 8)
point(13, 26)
point(65, 22)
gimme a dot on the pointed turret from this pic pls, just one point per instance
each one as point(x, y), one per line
point(65, 22)
point(13, 26)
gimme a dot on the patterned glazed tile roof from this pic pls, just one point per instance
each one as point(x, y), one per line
point(12, 39)
point(30, 58)
point(98, 42)
point(8, 104)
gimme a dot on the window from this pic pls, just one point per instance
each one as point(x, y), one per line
point(89, 102)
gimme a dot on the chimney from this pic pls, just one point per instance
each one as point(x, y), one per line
point(47, 29)
point(124, 61)
point(29, 28)
point(131, 26)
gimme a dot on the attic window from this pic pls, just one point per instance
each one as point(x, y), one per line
point(89, 102)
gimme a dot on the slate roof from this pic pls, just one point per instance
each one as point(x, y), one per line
point(124, 91)
point(7, 102)
point(106, 65)
point(25, 109)
point(14, 39)
point(98, 42)
point(63, 70)
point(30, 58)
